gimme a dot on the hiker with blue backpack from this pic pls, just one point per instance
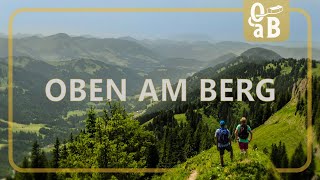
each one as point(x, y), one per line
point(223, 141)
point(242, 135)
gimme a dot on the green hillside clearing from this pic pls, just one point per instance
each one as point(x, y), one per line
point(74, 113)
point(211, 122)
point(181, 118)
point(283, 126)
point(3, 146)
point(316, 71)
point(207, 166)
point(28, 128)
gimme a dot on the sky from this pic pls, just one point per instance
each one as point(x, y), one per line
point(211, 26)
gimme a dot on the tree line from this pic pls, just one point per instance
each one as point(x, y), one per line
point(279, 158)
point(112, 140)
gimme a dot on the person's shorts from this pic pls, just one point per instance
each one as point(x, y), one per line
point(221, 149)
point(243, 145)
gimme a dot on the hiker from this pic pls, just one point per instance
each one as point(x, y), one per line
point(223, 141)
point(242, 135)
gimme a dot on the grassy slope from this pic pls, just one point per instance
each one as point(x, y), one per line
point(210, 121)
point(181, 118)
point(316, 72)
point(74, 113)
point(3, 146)
point(30, 128)
point(287, 127)
point(207, 164)
point(5, 168)
point(283, 126)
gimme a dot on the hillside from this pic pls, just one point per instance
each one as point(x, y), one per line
point(62, 47)
point(284, 126)
point(181, 129)
point(254, 68)
point(210, 121)
point(221, 59)
point(206, 165)
point(281, 120)
point(206, 51)
point(261, 54)
point(133, 53)
point(31, 76)
point(188, 64)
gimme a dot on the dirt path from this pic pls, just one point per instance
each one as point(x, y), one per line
point(193, 175)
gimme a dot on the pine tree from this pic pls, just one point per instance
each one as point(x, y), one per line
point(24, 176)
point(56, 154)
point(35, 155)
point(284, 157)
point(279, 155)
point(284, 160)
point(153, 157)
point(55, 159)
point(91, 122)
point(71, 137)
point(274, 154)
point(38, 160)
point(298, 159)
point(64, 151)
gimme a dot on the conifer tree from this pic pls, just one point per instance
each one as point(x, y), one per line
point(91, 122)
point(298, 159)
point(38, 160)
point(279, 155)
point(24, 176)
point(56, 154)
point(64, 151)
point(55, 159)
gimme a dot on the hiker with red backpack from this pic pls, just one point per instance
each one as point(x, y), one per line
point(223, 141)
point(242, 135)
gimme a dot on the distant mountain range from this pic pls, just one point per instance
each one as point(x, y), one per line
point(206, 51)
point(62, 47)
point(128, 52)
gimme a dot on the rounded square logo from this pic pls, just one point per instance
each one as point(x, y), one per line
point(266, 20)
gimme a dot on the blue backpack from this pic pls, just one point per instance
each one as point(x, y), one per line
point(223, 136)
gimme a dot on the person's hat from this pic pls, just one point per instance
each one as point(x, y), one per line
point(243, 119)
point(222, 123)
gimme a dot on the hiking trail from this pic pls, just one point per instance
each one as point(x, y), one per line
point(193, 175)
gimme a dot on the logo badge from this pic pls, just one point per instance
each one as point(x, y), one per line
point(266, 20)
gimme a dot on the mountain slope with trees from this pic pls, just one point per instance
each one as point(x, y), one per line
point(206, 164)
point(178, 131)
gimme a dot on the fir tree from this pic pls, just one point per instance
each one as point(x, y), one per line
point(298, 159)
point(55, 159)
point(279, 155)
point(24, 176)
point(91, 122)
point(38, 160)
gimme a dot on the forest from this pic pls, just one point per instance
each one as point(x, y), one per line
point(171, 133)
